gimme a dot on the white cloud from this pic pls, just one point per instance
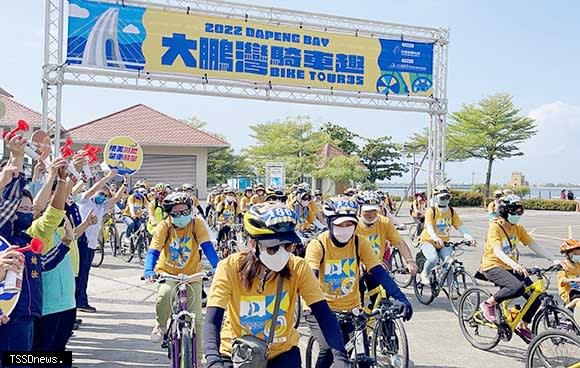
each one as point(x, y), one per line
point(131, 29)
point(76, 11)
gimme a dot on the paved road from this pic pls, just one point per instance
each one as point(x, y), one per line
point(118, 334)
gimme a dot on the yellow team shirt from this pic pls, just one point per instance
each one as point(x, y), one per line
point(228, 211)
point(379, 233)
point(249, 312)
point(442, 223)
point(219, 199)
point(417, 208)
point(256, 199)
point(565, 288)
point(138, 206)
point(306, 216)
point(339, 273)
point(245, 203)
point(155, 217)
point(179, 248)
point(495, 235)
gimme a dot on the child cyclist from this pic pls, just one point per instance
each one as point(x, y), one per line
point(569, 278)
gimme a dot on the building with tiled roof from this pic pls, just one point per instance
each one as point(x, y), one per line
point(174, 153)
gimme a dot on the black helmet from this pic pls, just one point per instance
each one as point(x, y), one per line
point(175, 199)
point(511, 204)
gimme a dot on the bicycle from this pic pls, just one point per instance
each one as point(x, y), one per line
point(110, 234)
point(398, 268)
point(229, 244)
point(449, 277)
point(181, 335)
point(475, 327)
point(563, 352)
point(387, 338)
point(99, 256)
point(137, 243)
point(212, 219)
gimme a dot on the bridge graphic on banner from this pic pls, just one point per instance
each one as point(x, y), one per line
point(104, 33)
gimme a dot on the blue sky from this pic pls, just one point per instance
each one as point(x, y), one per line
point(527, 48)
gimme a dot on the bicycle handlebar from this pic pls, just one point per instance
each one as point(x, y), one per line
point(181, 278)
point(537, 271)
point(458, 244)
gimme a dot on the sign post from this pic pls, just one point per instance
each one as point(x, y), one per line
point(275, 175)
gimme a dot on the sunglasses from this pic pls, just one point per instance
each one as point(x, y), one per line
point(517, 211)
point(273, 250)
point(186, 212)
point(445, 197)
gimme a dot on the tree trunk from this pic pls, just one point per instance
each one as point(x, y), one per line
point(487, 180)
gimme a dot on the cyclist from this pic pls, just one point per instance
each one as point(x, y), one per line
point(569, 278)
point(418, 208)
point(438, 222)
point(381, 234)
point(136, 204)
point(246, 198)
point(492, 206)
point(155, 208)
point(174, 250)
point(499, 263)
point(275, 195)
point(317, 204)
point(249, 280)
point(228, 212)
point(335, 256)
point(190, 190)
point(260, 196)
point(211, 198)
point(302, 205)
point(291, 192)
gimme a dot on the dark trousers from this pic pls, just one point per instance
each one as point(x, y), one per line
point(223, 232)
point(86, 256)
point(17, 335)
point(367, 282)
point(325, 357)
point(53, 331)
point(288, 359)
point(512, 285)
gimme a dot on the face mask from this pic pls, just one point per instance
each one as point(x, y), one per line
point(230, 198)
point(575, 258)
point(304, 203)
point(275, 262)
point(181, 221)
point(138, 195)
point(22, 222)
point(100, 199)
point(371, 222)
point(513, 219)
point(343, 234)
point(443, 202)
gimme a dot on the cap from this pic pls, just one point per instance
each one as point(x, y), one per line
point(343, 219)
point(279, 238)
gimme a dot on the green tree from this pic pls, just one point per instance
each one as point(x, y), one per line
point(342, 137)
point(195, 123)
point(381, 157)
point(292, 141)
point(491, 130)
point(225, 164)
point(342, 168)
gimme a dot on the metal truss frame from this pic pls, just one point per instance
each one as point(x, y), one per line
point(56, 73)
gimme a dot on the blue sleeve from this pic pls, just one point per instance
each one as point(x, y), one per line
point(214, 317)
point(328, 325)
point(54, 256)
point(150, 262)
point(382, 277)
point(210, 253)
point(11, 199)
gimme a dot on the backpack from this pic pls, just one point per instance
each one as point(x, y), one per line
point(355, 248)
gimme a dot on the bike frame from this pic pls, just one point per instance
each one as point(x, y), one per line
point(536, 289)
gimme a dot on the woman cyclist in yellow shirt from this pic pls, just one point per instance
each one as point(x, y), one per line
point(155, 208)
point(260, 196)
point(246, 198)
point(136, 204)
point(245, 286)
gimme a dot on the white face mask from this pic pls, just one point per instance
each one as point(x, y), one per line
point(230, 198)
point(367, 222)
point(275, 262)
point(343, 234)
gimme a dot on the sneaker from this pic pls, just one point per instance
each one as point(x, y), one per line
point(78, 321)
point(157, 334)
point(488, 311)
point(87, 309)
point(424, 279)
point(525, 333)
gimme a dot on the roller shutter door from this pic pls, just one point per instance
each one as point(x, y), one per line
point(174, 170)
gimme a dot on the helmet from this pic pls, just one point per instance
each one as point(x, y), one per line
point(271, 224)
point(174, 199)
point(368, 201)
point(381, 195)
point(507, 192)
point(336, 207)
point(249, 189)
point(303, 187)
point(260, 186)
point(318, 193)
point(159, 187)
point(441, 190)
point(304, 196)
point(185, 187)
point(569, 245)
point(498, 193)
point(510, 204)
point(273, 194)
point(350, 192)
point(229, 191)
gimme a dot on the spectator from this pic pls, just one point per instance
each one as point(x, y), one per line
point(570, 195)
point(563, 194)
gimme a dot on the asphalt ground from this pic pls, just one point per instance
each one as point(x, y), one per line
point(118, 334)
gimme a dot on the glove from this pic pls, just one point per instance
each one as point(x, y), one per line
point(405, 308)
point(149, 273)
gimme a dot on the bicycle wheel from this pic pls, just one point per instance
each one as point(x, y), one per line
point(297, 311)
point(126, 248)
point(413, 232)
point(186, 358)
point(479, 332)
point(399, 270)
point(114, 239)
point(312, 351)
point(99, 254)
point(424, 293)
point(142, 245)
point(557, 319)
point(554, 348)
point(390, 345)
point(459, 283)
